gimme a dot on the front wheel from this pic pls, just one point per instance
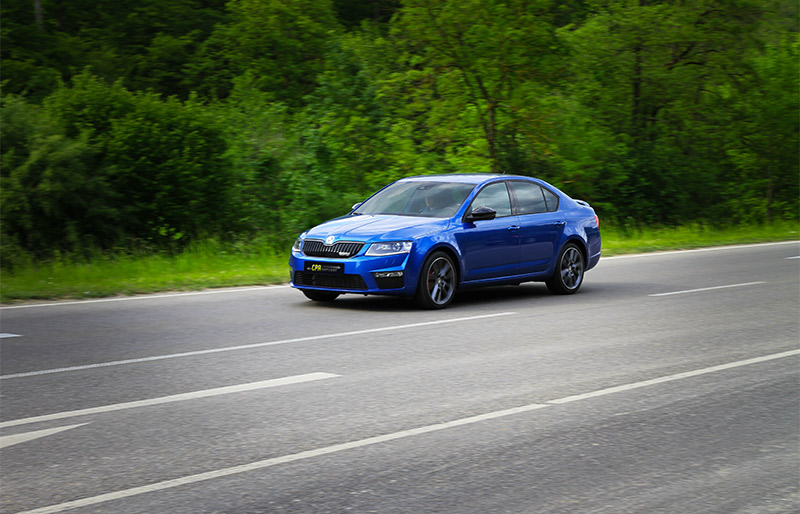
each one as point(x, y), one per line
point(568, 275)
point(320, 296)
point(437, 282)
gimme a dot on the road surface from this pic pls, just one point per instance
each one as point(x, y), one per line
point(670, 383)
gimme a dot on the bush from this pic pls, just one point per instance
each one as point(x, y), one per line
point(97, 165)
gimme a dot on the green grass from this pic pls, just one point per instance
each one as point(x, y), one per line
point(213, 264)
point(206, 265)
point(643, 239)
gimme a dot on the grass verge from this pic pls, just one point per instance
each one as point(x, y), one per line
point(212, 264)
point(617, 240)
point(205, 265)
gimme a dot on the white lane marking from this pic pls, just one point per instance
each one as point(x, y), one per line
point(4, 335)
point(284, 286)
point(795, 257)
point(191, 479)
point(145, 297)
point(253, 466)
point(254, 345)
point(670, 378)
point(252, 386)
point(696, 250)
point(11, 440)
point(686, 291)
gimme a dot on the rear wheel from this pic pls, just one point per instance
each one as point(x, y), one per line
point(320, 296)
point(437, 282)
point(570, 267)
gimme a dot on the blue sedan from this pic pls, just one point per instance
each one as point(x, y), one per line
point(427, 237)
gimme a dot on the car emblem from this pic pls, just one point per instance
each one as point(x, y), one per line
point(329, 240)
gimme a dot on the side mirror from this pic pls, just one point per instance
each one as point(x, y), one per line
point(481, 213)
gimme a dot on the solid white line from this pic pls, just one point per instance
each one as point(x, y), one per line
point(254, 345)
point(252, 386)
point(145, 297)
point(253, 466)
point(707, 289)
point(696, 250)
point(11, 440)
point(284, 286)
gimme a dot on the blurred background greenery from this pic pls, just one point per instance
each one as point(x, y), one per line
point(151, 127)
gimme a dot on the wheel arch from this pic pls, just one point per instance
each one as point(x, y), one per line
point(580, 243)
point(451, 252)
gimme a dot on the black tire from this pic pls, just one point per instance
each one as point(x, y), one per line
point(320, 296)
point(437, 282)
point(570, 269)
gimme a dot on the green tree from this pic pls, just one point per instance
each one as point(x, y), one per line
point(643, 74)
point(146, 43)
point(281, 42)
point(475, 74)
point(346, 124)
point(762, 139)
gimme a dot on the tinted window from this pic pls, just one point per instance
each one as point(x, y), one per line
point(495, 197)
point(552, 200)
point(530, 198)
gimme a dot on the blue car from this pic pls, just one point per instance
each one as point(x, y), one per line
point(427, 237)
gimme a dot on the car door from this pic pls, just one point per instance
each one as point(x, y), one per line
point(490, 248)
point(541, 225)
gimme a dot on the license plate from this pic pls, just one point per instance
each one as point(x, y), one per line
point(318, 267)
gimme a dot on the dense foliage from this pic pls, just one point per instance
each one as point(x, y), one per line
point(153, 122)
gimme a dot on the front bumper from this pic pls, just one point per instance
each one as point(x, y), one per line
point(361, 274)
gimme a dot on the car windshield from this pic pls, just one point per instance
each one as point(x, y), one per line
point(431, 199)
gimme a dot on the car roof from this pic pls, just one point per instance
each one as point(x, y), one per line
point(465, 178)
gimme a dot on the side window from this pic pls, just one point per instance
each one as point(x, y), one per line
point(494, 196)
point(552, 200)
point(530, 198)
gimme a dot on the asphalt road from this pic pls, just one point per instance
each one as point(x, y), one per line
point(670, 383)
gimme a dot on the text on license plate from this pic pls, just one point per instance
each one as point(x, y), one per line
point(317, 267)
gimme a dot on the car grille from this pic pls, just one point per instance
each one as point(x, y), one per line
point(340, 250)
point(354, 282)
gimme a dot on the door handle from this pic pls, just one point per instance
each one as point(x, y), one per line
point(513, 227)
point(559, 223)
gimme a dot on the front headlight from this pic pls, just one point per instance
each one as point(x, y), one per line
point(298, 245)
point(393, 248)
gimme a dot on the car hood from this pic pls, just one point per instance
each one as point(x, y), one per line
point(370, 228)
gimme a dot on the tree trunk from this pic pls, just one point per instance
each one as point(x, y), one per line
point(37, 13)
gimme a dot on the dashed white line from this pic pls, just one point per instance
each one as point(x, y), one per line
point(686, 291)
point(253, 466)
point(11, 440)
point(254, 345)
point(5, 335)
point(252, 386)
